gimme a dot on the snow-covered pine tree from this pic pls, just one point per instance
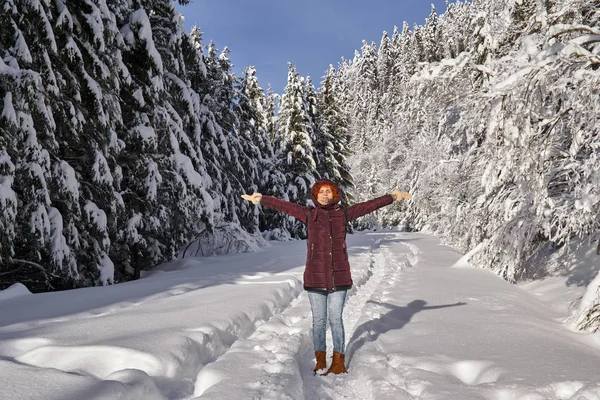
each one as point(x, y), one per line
point(365, 127)
point(273, 180)
point(215, 146)
point(432, 37)
point(221, 104)
point(313, 113)
point(251, 112)
point(456, 30)
point(20, 96)
point(160, 185)
point(295, 148)
point(205, 134)
point(50, 87)
point(86, 181)
point(342, 87)
point(393, 57)
point(417, 49)
point(384, 63)
point(185, 73)
point(272, 101)
point(332, 141)
point(8, 197)
point(365, 106)
point(255, 119)
point(243, 169)
point(9, 123)
point(406, 61)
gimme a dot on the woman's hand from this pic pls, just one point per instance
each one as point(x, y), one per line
point(254, 197)
point(400, 195)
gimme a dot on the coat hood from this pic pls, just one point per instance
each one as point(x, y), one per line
point(337, 193)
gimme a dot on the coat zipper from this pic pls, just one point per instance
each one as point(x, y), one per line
point(312, 250)
point(331, 251)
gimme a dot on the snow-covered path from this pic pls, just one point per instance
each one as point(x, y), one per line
point(461, 333)
point(238, 327)
point(417, 329)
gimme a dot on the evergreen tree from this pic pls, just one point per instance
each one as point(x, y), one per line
point(162, 188)
point(241, 168)
point(256, 117)
point(295, 147)
point(271, 104)
point(69, 186)
point(432, 37)
point(8, 197)
point(365, 108)
point(251, 113)
point(333, 140)
point(384, 63)
point(88, 36)
point(313, 113)
point(273, 180)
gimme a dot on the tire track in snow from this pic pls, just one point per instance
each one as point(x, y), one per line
point(275, 360)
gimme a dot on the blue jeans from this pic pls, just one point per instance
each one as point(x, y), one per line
point(332, 304)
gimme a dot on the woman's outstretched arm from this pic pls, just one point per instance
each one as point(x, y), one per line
point(297, 211)
point(358, 210)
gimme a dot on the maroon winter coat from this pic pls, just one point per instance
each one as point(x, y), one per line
point(327, 266)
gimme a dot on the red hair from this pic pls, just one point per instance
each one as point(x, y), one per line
point(334, 189)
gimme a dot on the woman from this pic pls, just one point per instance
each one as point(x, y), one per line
point(327, 276)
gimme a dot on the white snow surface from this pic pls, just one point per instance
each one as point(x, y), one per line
point(239, 327)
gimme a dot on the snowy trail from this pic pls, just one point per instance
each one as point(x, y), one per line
point(277, 358)
point(365, 306)
point(418, 327)
point(166, 312)
point(445, 333)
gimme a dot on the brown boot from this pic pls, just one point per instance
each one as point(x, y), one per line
point(337, 365)
point(321, 360)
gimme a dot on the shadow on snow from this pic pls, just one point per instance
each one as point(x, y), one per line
point(395, 318)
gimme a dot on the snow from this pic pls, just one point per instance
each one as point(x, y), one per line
point(133, 224)
point(39, 222)
point(64, 18)
point(67, 180)
point(8, 111)
point(153, 179)
point(14, 290)
point(107, 269)
point(147, 135)
point(95, 24)
point(139, 96)
point(587, 202)
point(8, 197)
point(58, 243)
point(139, 19)
point(185, 165)
point(96, 216)
point(72, 51)
point(101, 170)
point(22, 50)
point(238, 327)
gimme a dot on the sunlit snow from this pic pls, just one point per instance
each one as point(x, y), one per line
point(420, 324)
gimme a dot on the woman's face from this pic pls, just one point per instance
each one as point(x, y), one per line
point(325, 195)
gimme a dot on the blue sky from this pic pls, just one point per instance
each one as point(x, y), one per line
point(311, 34)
